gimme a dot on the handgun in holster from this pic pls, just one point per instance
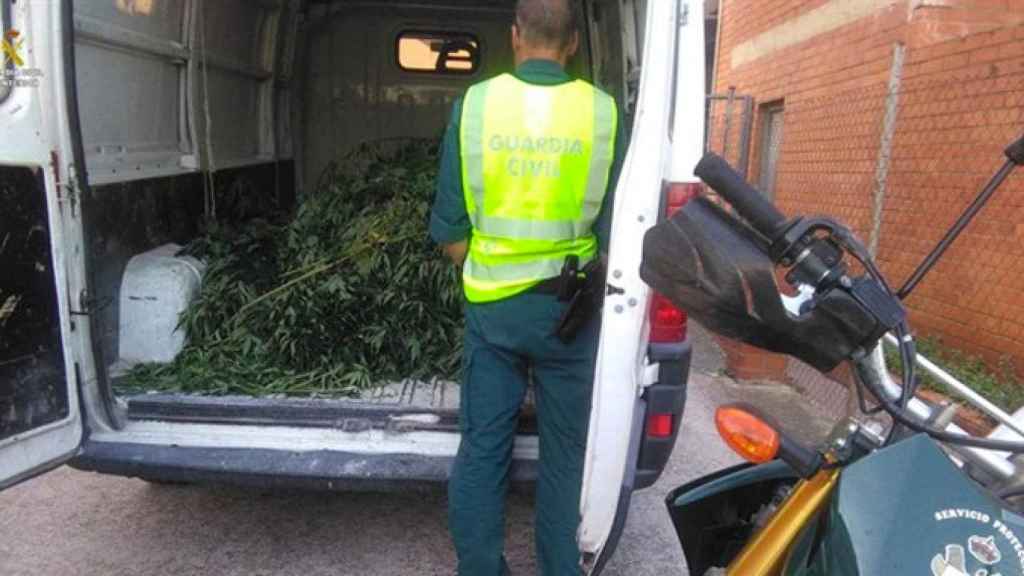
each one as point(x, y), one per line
point(584, 291)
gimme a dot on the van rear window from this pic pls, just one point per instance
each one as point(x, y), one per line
point(438, 52)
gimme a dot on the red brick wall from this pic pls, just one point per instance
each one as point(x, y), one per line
point(744, 362)
point(961, 100)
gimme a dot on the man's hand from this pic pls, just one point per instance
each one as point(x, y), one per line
point(457, 251)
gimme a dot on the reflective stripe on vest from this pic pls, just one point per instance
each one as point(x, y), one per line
point(535, 167)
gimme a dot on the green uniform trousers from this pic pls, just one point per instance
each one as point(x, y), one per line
point(506, 342)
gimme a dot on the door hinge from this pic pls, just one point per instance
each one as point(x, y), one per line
point(66, 196)
point(57, 180)
point(66, 190)
point(633, 88)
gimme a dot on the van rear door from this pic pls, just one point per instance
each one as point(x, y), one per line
point(666, 143)
point(40, 420)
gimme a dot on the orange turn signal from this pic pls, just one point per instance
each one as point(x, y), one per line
point(748, 435)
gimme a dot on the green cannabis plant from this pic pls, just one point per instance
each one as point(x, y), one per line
point(347, 294)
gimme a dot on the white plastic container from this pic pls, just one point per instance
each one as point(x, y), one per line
point(156, 288)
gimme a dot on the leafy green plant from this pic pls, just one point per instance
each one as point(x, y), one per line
point(348, 293)
point(998, 384)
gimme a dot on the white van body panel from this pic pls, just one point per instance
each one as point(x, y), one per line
point(207, 84)
point(33, 133)
point(671, 93)
point(299, 439)
point(621, 358)
point(689, 120)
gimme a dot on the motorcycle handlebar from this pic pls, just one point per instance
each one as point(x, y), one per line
point(748, 202)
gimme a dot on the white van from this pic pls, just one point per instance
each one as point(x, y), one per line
point(112, 113)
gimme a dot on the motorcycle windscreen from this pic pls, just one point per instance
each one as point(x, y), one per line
point(715, 267)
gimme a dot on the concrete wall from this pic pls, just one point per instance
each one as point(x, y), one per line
point(896, 114)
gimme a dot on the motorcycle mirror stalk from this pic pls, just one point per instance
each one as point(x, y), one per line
point(1014, 157)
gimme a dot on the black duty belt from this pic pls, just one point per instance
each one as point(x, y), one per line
point(550, 286)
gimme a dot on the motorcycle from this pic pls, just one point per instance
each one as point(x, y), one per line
point(917, 496)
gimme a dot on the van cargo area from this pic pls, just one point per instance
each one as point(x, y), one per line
point(245, 118)
point(217, 258)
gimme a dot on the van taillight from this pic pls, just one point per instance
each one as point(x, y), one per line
point(668, 323)
point(678, 195)
point(659, 425)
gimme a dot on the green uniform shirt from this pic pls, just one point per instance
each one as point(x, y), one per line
point(449, 221)
point(502, 338)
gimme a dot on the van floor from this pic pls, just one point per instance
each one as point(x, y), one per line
point(400, 407)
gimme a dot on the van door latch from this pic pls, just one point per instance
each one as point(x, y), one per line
point(613, 290)
point(90, 305)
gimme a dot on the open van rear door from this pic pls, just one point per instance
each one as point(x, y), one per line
point(40, 420)
point(666, 142)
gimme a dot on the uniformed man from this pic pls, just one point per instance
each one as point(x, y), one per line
point(527, 167)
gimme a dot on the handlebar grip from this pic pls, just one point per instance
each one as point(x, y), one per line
point(747, 201)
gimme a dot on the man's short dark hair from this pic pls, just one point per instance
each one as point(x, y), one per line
point(547, 23)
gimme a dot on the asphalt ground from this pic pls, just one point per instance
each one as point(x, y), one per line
point(76, 523)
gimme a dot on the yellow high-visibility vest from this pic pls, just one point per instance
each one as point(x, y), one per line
point(535, 167)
